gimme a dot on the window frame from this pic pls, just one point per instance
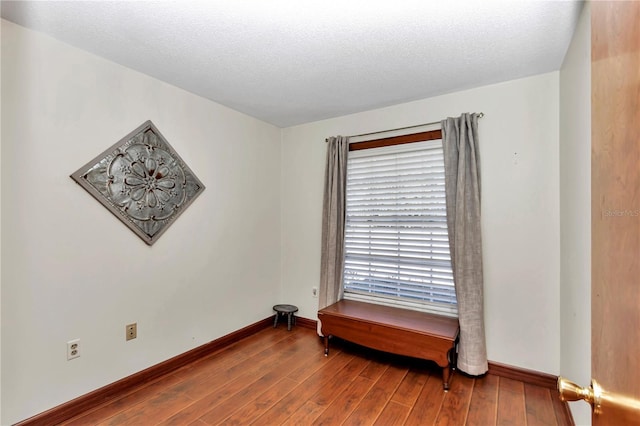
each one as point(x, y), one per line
point(425, 306)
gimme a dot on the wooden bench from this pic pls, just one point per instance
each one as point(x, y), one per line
point(395, 330)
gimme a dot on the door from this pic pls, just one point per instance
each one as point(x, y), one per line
point(615, 208)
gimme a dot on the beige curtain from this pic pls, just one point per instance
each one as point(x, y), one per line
point(462, 183)
point(333, 219)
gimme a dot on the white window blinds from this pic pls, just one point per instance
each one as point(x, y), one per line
point(396, 242)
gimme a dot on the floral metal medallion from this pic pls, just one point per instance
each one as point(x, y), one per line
point(141, 180)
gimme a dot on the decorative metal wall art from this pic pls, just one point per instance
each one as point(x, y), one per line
point(142, 181)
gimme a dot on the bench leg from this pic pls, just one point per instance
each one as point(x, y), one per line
point(452, 356)
point(289, 315)
point(275, 320)
point(326, 345)
point(446, 375)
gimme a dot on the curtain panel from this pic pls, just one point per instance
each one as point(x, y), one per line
point(333, 223)
point(462, 186)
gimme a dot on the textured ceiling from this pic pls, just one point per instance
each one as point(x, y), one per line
point(289, 62)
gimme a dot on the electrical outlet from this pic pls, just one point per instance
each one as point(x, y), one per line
point(132, 331)
point(314, 291)
point(73, 349)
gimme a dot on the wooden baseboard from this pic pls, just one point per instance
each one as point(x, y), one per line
point(306, 323)
point(91, 400)
point(527, 376)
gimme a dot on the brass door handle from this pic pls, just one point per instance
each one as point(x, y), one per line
point(598, 398)
point(569, 391)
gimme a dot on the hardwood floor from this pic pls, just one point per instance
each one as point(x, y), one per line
point(277, 377)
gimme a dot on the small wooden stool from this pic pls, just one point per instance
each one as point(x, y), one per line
point(288, 310)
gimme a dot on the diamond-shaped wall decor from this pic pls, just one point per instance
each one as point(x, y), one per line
point(142, 181)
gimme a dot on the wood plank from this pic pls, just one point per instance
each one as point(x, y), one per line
point(234, 353)
point(221, 387)
point(314, 362)
point(410, 388)
point(261, 404)
point(153, 410)
point(257, 382)
point(539, 406)
point(237, 400)
point(305, 390)
point(305, 415)
point(393, 414)
point(345, 402)
point(292, 346)
point(202, 405)
point(125, 402)
point(483, 408)
point(375, 400)
point(222, 370)
point(511, 406)
point(456, 402)
point(376, 368)
point(428, 404)
point(325, 395)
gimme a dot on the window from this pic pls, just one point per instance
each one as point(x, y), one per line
point(396, 241)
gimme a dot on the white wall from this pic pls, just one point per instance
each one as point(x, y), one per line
point(70, 269)
point(0, 232)
point(575, 212)
point(520, 207)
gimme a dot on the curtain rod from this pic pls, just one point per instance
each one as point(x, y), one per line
point(399, 128)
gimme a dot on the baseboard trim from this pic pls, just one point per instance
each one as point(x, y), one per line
point(306, 323)
point(532, 377)
point(111, 391)
point(527, 376)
